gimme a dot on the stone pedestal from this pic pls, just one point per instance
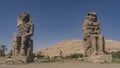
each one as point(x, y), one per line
point(19, 60)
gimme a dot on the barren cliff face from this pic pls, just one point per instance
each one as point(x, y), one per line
point(75, 46)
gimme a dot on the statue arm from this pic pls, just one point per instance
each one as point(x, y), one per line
point(85, 30)
point(98, 30)
point(31, 30)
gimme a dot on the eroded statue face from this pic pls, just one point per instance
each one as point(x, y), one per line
point(24, 17)
point(91, 17)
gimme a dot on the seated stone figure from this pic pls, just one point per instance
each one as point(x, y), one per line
point(22, 42)
point(93, 39)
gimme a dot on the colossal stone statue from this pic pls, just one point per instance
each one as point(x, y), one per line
point(22, 42)
point(92, 37)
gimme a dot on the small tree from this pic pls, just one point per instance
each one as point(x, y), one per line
point(3, 48)
point(10, 53)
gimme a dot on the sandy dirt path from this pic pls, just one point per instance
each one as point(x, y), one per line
point(62, 65)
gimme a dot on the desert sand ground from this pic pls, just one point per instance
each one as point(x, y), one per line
point(62, 65)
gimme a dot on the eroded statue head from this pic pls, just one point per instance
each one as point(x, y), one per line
point(24, 18)
point(92, 16)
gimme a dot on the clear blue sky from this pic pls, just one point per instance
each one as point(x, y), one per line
point(58, 20)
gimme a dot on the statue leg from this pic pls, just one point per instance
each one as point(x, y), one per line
point(89, 47)
point(30, 48)
point(101, 44)
point(16, 45)
point(24, 45)
point(85, 47)
point(94, 45)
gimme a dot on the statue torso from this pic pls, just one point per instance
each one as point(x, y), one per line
point(24, 29)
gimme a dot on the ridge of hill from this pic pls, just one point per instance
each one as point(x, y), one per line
point(75, 46)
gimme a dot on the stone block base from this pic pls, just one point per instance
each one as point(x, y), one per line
point(99, 58)
point(19, 60)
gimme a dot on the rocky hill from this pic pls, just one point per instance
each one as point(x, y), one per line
point(75, 46)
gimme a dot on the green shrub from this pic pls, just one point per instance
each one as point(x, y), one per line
point(74, 56)
point(116, 55)
point(39, 56)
